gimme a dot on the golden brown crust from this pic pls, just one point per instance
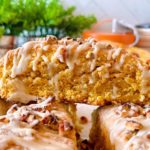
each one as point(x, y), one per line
point(74, 71)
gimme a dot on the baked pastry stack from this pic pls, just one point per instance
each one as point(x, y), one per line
point(84, 71)
point(43, 126)
point(74, 71)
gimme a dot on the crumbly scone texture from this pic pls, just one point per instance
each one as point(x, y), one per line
point(84, 71)
point(43, 126)
point(122, 127)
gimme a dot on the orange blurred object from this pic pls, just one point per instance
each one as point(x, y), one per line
point(100, 32)
point(126, 38)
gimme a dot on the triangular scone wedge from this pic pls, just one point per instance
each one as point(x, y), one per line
point(121, 127)
point(43, 126)
point(84, 71)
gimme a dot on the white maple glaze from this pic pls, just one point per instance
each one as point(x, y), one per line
point(81, 48)
point(58, 53)
point(96, 49)
point(52, 144)
point(23, 134)
point(36, 59)
point(20, 94)
point(116, 53)
point(70, 59)
point(45, 59)
point(122, 59)
point(21, 59)
point(92, 78)
point(115, 125)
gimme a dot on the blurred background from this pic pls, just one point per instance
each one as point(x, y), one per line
point(122, 21)
point(133, 11)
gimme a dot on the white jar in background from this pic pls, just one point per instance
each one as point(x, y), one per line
point(144, 35)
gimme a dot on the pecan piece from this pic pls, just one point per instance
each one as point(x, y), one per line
point(129, 110)
point(132, 125)
point(67, 126)
point(51, 119)
point(128, 134)
point(83, 120)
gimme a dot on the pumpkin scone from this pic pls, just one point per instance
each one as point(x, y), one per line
point(43, 126)
point(122, 127)
point(83, 71)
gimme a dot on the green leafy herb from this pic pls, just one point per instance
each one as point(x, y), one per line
point(41, 17)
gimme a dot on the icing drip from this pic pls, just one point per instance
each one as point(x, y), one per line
point(140, 66)
point(122, 59)
point(96, 49)
point(45, 59)
point(92, 78)
point(121, 62)
point(20, 93)
point(81, 48)
point(70, 59)
point(68, 54)
point(116, 53)
point(36, 60)
point(58, 54)
point(21, 59)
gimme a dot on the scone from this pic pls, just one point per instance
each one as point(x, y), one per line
point(123, 127)
point(84, 71)
point(43, 126)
